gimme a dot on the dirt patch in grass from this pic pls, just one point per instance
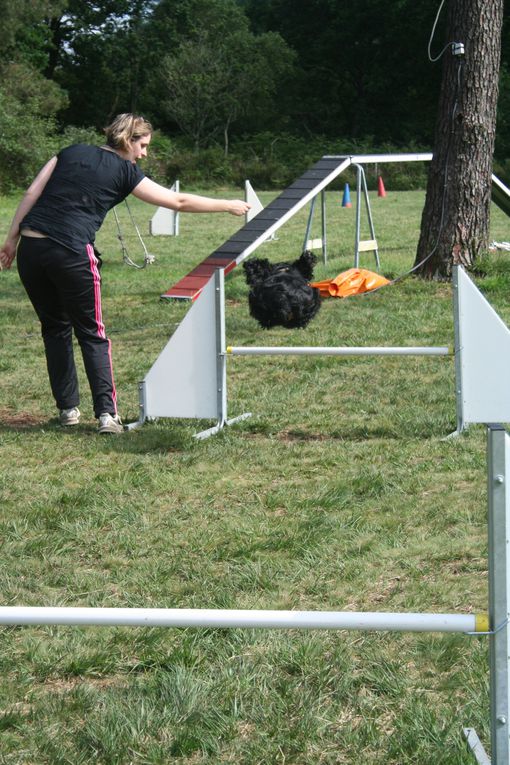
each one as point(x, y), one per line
point(20, 419)
point(301, 435)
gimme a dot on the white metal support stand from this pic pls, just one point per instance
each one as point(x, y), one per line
point(367, 245)
point(458, 354)
point(360, 245)
point(165, 222)
point(312, 244)
point(323, 227)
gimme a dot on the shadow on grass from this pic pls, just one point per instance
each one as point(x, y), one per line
point(354, 433)
point(161, 437)
point(151, 438)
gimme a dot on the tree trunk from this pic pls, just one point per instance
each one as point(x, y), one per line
point(455, 220)
point(225, 140)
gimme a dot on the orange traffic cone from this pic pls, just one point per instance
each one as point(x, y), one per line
point(381, 191)
point(346, 199)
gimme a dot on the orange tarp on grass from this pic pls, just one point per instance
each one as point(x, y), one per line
point(350, 282)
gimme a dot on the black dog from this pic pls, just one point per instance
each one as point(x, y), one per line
point(280, 293)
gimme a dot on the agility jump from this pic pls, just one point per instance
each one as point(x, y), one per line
point(494, 624)
point(189, 379)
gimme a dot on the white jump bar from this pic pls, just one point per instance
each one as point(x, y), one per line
point(221, 618)
point(331, 351)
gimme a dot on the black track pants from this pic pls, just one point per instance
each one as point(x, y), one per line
point(65, 290)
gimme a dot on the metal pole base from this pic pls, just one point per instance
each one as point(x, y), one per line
point(476, 747)
point(134, 425)
point(220, 425)
point(455, 434)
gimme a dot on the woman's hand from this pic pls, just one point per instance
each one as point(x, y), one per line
point(8, 253)
point(238, 207)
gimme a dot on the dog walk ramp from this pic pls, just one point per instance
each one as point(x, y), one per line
point(260, 228)
point(245, 241)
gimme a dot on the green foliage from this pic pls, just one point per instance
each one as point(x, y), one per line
point(216, 77)
point(157, 164)
point(28, 105)
point(37, 95)
point(210, 167)
point(17, 14)
point(27, 141)
point(363, 68)
point(330, 76)
point(73, 134)
point(274, 160)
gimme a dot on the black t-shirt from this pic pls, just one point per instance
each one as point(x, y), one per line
point(86, 183)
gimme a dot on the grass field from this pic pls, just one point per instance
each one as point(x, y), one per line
point(338, 494)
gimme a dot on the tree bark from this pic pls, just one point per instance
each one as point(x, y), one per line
point(455, 220)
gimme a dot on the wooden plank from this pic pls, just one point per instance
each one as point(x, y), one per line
point(231, 247)
point(303, 183)
point(367, 245)
point(193, 282)
point(245, 237)
point(179, 293)
point(203, 269)
point(281, 203)
point(217, 260)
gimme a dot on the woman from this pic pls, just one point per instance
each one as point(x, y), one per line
point(53, 232)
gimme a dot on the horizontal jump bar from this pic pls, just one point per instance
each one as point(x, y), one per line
point(329, 351)
point(222, 618)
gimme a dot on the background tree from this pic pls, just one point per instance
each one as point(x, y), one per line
point(211, 84)
point(362, 66)
point(96, 52)
point(455, 221)
point(29, 102)
point(292, 79)
point(194, 85)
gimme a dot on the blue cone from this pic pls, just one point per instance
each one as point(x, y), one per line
point(346, 199)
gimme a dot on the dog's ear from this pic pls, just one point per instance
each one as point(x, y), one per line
point(256, 270)
point(305, 263)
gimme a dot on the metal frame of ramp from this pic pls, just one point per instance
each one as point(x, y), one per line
point(500, 194)
point(245, 241)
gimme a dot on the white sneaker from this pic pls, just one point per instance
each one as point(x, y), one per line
point(109, 423)
point(69, 416)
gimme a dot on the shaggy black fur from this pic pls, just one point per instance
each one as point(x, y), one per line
point(280, 293)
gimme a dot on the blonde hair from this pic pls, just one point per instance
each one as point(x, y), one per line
point(124, 128)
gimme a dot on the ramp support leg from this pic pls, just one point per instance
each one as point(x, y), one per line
point(371, 244)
